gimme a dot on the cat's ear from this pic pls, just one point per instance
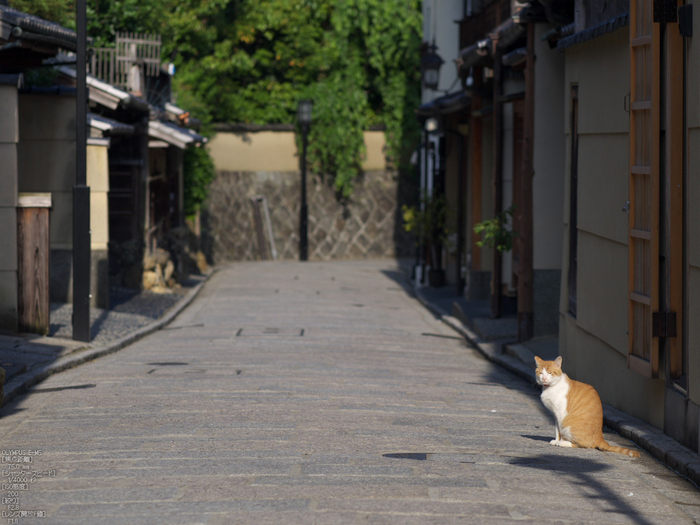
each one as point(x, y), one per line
point(538, 361)
point(557, 361)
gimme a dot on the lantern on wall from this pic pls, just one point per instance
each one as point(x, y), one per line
point(430, 64)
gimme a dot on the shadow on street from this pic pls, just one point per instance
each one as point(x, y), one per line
point(583, 470)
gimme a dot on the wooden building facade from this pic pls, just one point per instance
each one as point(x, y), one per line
point(629, 307)
point(515, 160)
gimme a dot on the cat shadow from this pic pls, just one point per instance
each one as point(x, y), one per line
point(537, 438)
point(585, 471)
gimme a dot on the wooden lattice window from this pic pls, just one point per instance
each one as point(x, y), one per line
point(643, 349)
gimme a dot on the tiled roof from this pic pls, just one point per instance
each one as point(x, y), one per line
point(592, 32)
point(34, 24)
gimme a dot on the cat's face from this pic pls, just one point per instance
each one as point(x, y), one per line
point(548, 373)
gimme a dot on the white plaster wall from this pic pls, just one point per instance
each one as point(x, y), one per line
point(47, 131)
point(693, 72)
point(8, 203)
point(439, 18)
point(548, 156)
point(587, 358)
point(98, 180)
point(594, 343)
point(693, 237)
point(277, 151)
point(693, 194)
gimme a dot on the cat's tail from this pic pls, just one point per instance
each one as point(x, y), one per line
point(606, 447)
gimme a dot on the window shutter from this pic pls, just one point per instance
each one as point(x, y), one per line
point(643, 347)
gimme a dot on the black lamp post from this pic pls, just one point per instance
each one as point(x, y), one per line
point(81, 191)
point(304, 118)
point(430, 64)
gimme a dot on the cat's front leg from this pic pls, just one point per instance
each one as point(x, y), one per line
point(557, 439)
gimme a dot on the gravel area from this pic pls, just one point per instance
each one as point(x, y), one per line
point(130, 311)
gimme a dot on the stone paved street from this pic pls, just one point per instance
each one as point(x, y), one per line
point(315, 393)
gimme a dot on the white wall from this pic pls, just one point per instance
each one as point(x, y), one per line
point(446, 34)
point(549, 156)
point(598, 334)
point(8, 206)
point(277, 151)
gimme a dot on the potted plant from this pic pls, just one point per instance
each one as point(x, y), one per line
point(427, 223)
point(495, 231)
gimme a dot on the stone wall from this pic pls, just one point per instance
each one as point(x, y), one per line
point(369, 225)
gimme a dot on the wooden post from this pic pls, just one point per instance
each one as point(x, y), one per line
point(461, 203)
point(496, 277)
point(674, 189)
point(476, 153)
point(33, 262)
point(525, 292)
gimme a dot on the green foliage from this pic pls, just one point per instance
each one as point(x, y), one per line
point(59, 11)
point(198, 173)
point(253, 60)
point(495, 231)
point(104, 17)
point(107, 17)
point(40, 77)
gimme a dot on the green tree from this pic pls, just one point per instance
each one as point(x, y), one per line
point(253, 60)
point(59, 11)
point(198, 173)
point(104, 17)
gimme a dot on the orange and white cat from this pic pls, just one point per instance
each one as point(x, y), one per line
point(576, 407)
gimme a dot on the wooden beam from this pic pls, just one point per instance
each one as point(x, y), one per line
point(525, 271)
point(496, 269)
point(674, 186)
point(477, 164)
point(461, 211)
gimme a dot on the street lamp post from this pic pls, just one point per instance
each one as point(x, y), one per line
point(304, 118)
point(81, 191)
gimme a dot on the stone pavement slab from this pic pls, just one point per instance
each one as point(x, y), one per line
point(315, 393)
point(519, 358)
point(30, 358)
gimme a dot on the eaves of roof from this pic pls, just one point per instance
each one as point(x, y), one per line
point(181, 116)
point(109, 126)
point(174, 135)
point(108, 95)
point(35, 28)
point(504, 35)
point(601, 29)
point(450, 103)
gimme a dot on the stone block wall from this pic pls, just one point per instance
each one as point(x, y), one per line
point(369, 225)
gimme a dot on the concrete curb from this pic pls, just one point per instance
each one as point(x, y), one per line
point(660, 446)
point(23, 382)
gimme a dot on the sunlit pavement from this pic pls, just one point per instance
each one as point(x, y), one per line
point(312, 393)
